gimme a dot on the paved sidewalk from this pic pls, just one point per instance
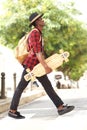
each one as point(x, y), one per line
point(42, 115)
point(27, 97)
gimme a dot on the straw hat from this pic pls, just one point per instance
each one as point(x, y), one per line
point(33, 17)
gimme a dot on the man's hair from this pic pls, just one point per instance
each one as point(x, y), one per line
point(34, 24)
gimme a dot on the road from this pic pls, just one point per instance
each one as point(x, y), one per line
point(41, 114)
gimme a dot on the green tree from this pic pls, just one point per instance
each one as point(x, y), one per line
point(62, 30)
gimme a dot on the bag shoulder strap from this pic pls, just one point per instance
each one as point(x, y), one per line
point(33, 30)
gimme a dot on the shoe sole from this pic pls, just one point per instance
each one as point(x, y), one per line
point(69, 109)
point(16, 117)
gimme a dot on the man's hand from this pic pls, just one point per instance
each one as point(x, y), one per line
point(48, 69)
point(44, 64)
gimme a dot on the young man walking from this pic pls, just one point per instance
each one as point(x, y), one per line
point(35, 43)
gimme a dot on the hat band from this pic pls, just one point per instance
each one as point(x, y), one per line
point(35, 18)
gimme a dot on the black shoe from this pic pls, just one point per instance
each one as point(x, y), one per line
point(65, 109)
point(15, 115)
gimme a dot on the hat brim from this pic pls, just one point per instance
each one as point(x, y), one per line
point(39, 16)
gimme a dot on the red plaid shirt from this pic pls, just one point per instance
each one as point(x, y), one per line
point(34, 44)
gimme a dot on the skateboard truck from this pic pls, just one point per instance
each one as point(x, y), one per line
point(29, 76)
point(64, 55)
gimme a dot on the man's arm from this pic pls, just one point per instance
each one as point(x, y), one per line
point(42, 61)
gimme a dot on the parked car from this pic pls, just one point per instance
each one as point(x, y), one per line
point(61, 81)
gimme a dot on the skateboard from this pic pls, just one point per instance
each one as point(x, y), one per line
point(54, 61)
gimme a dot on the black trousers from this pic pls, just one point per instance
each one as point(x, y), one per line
point(46, 85)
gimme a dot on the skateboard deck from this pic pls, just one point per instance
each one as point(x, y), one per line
point(54, 61)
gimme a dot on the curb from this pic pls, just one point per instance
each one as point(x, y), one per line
point(26, 98)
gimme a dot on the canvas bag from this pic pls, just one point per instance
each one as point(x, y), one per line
point(21, 50)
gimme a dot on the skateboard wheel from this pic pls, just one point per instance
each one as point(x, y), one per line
point(61, 51)
point(27, 77)
point(28, 70)
point(66, 60)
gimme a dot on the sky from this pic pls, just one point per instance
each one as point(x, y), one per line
point(79, 4)
point(1, 7)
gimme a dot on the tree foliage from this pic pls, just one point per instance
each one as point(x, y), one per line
point(62, 30)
